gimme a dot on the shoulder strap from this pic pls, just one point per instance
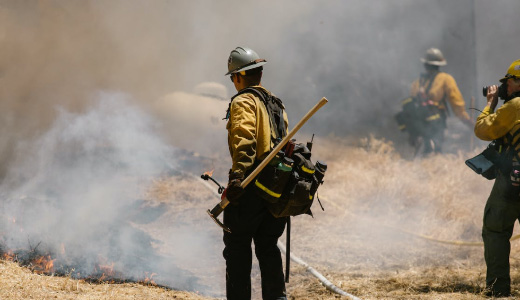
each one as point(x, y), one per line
point(274, 107)
point(427, 90)
point(512, 145)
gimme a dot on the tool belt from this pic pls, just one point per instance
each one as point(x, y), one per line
point(289, 183)
point(420, 118)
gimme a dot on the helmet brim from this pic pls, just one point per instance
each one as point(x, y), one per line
point(505, 78)
point(253, 66)
point(434, 62)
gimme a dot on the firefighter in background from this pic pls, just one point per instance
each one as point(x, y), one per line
point(503, 205)
point(250, 141)
point(435, 89)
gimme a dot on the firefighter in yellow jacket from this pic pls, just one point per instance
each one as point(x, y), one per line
point(250, 138)
point(503, 205)
point(438, 89)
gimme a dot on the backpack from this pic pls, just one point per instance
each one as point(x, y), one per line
point(419, 115)
point(290, 180)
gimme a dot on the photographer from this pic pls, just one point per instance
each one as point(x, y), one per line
point(503, 205)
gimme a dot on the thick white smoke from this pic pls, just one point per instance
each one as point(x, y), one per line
point(78, 189)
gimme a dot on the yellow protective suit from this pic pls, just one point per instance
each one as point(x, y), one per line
point(493, 125)
point(249, 131)
point(443, 87)
point(503, 205)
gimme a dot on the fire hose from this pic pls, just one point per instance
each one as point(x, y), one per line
point(429, 238)
point(328, 285)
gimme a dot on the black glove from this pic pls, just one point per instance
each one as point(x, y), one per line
point(233, 189)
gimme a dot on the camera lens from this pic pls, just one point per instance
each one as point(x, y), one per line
point(484, 91)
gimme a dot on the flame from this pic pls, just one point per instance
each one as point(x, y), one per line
point(43, 264)
point(108, 269)
point(9, 255)
point(209, 173)
point(149, 280)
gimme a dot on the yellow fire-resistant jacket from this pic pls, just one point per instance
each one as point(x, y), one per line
point(443, 87)
point(249, 131)
point(493, 125)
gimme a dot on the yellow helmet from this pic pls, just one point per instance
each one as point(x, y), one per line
point(513, 71)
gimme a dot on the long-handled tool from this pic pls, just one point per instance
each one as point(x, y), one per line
point(219, 208)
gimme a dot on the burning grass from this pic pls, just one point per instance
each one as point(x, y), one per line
point(19, 283)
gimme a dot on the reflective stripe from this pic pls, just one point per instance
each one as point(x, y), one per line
point(306, 170)
point(434, 117)
point(407, 100)
point(268, 191)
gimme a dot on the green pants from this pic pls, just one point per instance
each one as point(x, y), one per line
point(501, 211)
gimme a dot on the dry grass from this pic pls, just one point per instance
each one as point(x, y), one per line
point(373, 200)
point(19, 283)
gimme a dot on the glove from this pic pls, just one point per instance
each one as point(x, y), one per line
point(233, 190)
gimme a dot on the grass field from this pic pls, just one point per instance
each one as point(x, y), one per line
point(380, 237)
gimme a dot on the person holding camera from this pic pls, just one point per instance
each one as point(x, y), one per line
point(432, 91)
point(503, 205)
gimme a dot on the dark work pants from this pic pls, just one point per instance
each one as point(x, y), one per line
point(251, 221)
point(501, 212)
point(433, 142)
point(433, 138)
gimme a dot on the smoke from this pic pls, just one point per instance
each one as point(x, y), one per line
point(78, 191)
point(361, 55)
point(66, 170)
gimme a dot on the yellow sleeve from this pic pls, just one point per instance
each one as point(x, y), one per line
point(242, 133)
point(455, 98)
point(491, 126)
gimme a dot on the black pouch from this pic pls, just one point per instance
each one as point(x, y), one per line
point(304, 166)
point(489, 162)
point(434, 117)
point(295, 201)
point(271, 182)
point(482, 166)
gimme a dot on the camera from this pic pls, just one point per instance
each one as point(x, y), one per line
point(484, 90)
point(502, 91)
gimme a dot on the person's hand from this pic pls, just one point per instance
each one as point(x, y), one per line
point(233, 190)
point(492, 96)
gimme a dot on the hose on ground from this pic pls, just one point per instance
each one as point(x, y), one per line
point(328, 285)
point(429, 238)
